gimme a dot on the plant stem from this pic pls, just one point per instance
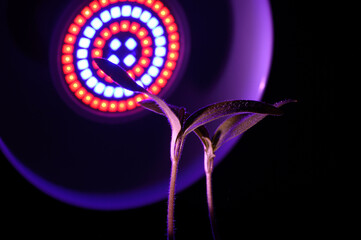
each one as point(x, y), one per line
point(210, 202)
point(171, 198)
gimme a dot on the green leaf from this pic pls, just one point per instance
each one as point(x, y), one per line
point(238, 124)
point(227, 108)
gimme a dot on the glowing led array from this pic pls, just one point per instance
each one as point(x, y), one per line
point(94, 32)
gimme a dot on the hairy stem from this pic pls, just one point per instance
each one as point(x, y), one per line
point(210, 202)
point(171, 198)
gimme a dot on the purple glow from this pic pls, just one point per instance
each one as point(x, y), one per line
point(245, 76)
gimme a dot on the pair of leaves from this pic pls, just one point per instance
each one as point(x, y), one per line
point(242, 114)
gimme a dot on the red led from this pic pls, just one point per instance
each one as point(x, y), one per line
point(74, 29)
point(166, 74)
point(87, 98)
point(174, 37)
point(131, 104)
point(124, 26)
point(80, 93)
point(139, 98)
point(161, 82)
point(174, 46)
point(80, 20)
point(122, 106)
point(71, 78)
point(164, 12)
point(75, 86)
point(113, 106)
point(95, 103)
point(154, 89)
point(168, 20)
point(149, 3)
point(106, 34)
point(99, 42)
point(131, 74)
point(68, 49)
point(157, 6)
point(69, 68)
point(65, 59)
point(170, 65)
point(101, 73)
point(97, 53)
point(141, 1)
point(108, 79)
point(146, 42)
point(95, 6)
point(95, 65)
point(104, 3)
point(173, 56)
point(144, 62)
point(147, 52)
point(104, 105)
point(114, 27)
point(70, 39)
point(142, 33)
point(115, 1)
point(87, 12)
point(138, 70)
point(172, 28)
point(134, 27)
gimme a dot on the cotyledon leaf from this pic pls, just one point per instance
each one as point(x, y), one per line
point(121, 77)
point(238, 124)
point(227, 108)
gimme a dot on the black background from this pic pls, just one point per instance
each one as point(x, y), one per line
point(280, 180)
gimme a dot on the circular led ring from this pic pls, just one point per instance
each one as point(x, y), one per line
point(140, 35)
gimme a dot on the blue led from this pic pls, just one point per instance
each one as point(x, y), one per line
point(82, 53)
point(114, 59)
point(105, 16)
point(115, 44)
point(158, 62)
point(160, 51)
point(131, 44)
point(137, 11)
point(89, 32)
point(115, 12)
point(158, 31)
point(99, 88)
point(152, 23)
point(118, 92)
point(92, 82)
point(83, 64)
point(160, 41)
point(129, 60)
point(126, 11)
point(145, 16)
point(86, 74)
point(128, 93)
point(84, 43)
point(153, 71)
point(140, 83)
point(146, 80)
point(108, 92)
point(96, 23)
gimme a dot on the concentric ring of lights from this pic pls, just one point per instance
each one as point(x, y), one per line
point(150, 35)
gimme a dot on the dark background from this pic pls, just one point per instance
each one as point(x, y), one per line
point(280, 180)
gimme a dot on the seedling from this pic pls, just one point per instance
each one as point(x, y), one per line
point(242, 115)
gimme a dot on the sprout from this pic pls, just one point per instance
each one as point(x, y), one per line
point(241, 115)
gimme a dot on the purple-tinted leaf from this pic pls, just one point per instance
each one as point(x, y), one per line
point(227, 108)
point(201, 132)
point(119, 75)
point(238, 124)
